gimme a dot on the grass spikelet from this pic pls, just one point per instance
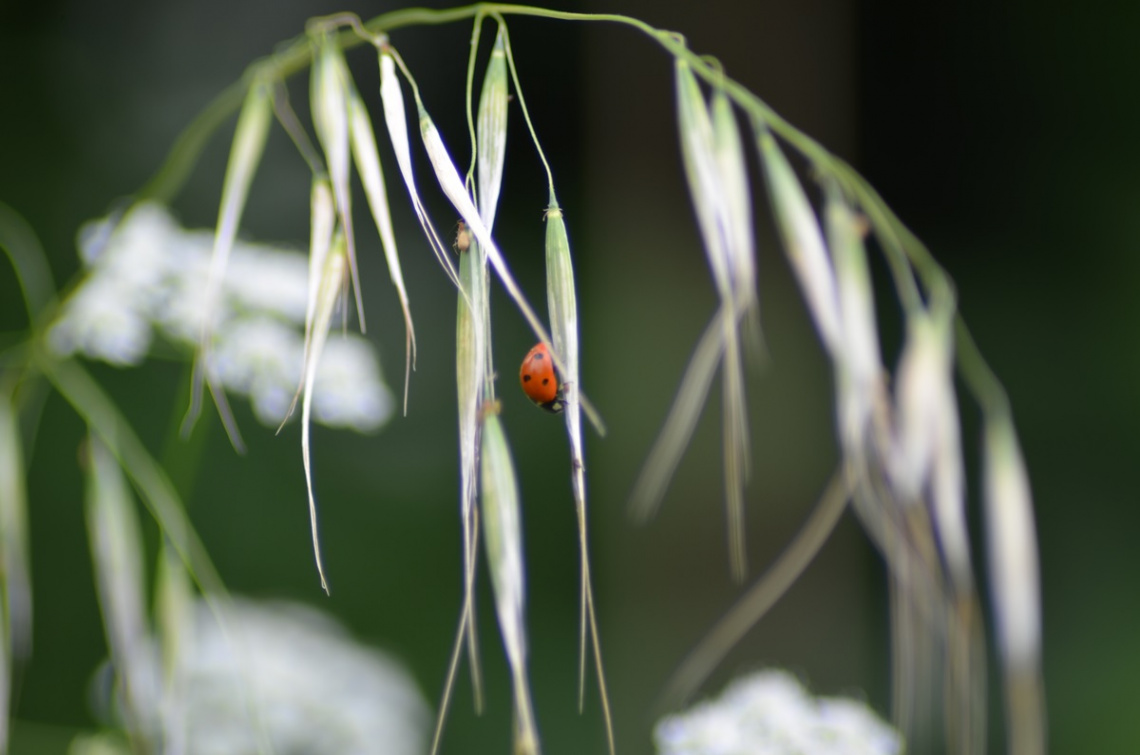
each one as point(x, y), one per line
point(563, 308)
point(491, 130)
point(741, 250)
point(322, 209)
point(116, 551)
point(245, 154)
point(803, 241)
point(491, 154)
point(859, 373)
point(474, 371)
point(174, 602)
point(332, 270)
point(396, 120)
point(741, 247)
point(948, 492)
point(470, 370)
point(81, 391)
point(923, 378)
point(372, 177)
point(718, 187)
point(707, 189)
point(713, 157)
point(1015, 588)
point(15, 579)
point(173, 607)
point(502, 530)
point(331, 83)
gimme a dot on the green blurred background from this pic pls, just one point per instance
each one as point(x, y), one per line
point(1004, 134)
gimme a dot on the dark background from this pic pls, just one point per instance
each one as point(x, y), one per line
point(1003, 133)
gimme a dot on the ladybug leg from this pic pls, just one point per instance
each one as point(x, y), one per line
point(559, 402)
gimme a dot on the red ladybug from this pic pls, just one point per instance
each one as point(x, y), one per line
point(539, 379)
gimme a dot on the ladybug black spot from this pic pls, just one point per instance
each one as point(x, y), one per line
point(545, 381)
point(539, 356)
point(526, 378)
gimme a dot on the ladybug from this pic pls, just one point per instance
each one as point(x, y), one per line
point(539, 379)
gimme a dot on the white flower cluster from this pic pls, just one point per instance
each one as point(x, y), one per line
point(769, 713)
point(149, 274)
point(275, 677)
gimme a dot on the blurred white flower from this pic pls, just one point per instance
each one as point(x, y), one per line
point(269, 280)
point(260, 357)
point(102, 322)
point(286, 676)
point(149, 274)
point(349, 390)
point(769, 713)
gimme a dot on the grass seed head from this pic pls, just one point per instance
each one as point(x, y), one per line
point(331, 87)
point(491, 129)
point(1015, 588)
point(502, 530)
point(733, 170)
point(923, 380)
point(1011, 546)
point(861, 368)
point(561, 299)
point(245, 155)
point(948, 494)
point(702, 171)
point(396, 120)
point(803, 242)
point(372, 177)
